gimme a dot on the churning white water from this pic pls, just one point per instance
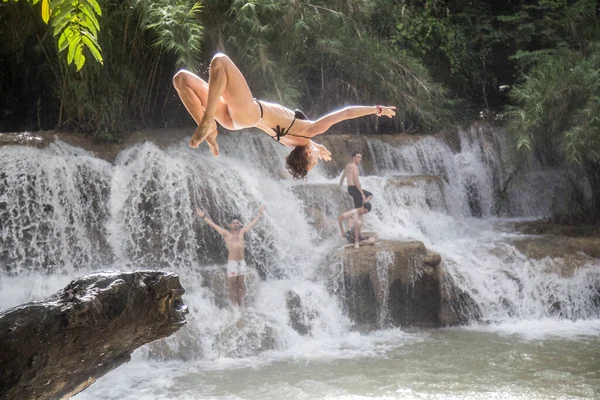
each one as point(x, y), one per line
point(64, 212)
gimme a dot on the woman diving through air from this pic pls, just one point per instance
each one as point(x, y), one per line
point(227, 99)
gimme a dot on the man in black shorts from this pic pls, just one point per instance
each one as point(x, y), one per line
point(359, 195)
point(353, 220)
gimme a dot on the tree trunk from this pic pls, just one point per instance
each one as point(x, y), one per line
point(58, 347)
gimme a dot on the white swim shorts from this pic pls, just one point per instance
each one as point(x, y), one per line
point(236, 268)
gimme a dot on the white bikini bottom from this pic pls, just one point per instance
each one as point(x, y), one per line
point(236, 126)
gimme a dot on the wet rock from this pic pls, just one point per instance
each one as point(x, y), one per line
point(325, 225)
point(249, 335)
point(457, 307)
point(38, 139)
point(58, 347)
point(185, 346)
point(546, 227)
point(103, 149)
point(432, 259)
point(300, 318)
point(568, 253)
point(400, 182)
point(515, 279)
point(395, 284)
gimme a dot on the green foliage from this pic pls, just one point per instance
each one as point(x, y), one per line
point(144, 41)
point(557, 112)
point(176, 28)
point(547, 26)
point(315, 54)
point(459, 42)
point(75, 23)
point(553, 106)
point(323, 54)
point(476, 47)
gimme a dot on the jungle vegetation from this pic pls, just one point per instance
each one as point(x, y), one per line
point(533, 62)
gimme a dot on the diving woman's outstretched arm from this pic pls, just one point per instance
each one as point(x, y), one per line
point(324, 123)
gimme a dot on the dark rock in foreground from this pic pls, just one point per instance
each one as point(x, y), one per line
point(58, 347)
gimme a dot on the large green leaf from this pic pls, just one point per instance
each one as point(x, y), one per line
point(75, 23)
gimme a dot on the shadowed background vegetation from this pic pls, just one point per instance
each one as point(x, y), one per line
point(534, 63)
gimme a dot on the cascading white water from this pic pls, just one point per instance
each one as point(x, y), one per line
point(468, 176)
point(384, 260)
point(52, 207)
point(65, 212)
point(505, 284)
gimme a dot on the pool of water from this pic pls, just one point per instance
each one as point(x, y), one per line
point(547, 359)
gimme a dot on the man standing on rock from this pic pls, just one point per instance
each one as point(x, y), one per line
point(234, 240)
point(355, 189)
point(353, 220)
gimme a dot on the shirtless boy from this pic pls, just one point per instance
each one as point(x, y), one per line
point(353, 220)
point(359, 195)
point(236, 265)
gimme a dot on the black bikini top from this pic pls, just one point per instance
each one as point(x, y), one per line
point(281, 132)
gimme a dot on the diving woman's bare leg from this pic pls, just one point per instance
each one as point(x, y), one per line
point(226, 82)
point(193, 92)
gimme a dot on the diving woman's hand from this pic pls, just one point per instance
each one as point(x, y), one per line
point(324, 154)
point(386, 111)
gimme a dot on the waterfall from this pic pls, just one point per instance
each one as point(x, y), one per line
point(384, 260)
point(65, 212)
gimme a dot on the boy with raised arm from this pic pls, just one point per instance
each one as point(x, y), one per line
point(234, 241)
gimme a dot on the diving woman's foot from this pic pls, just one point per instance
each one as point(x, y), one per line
point(211, 140)
point(202, 132)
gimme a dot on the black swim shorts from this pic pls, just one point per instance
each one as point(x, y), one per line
point(355, 193)
point(350, 236)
